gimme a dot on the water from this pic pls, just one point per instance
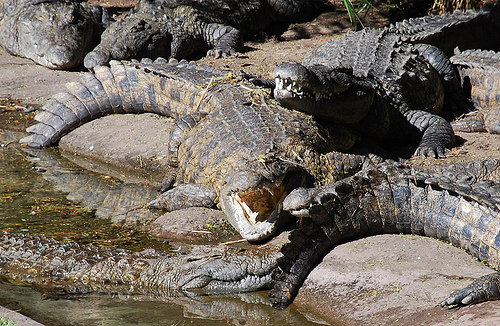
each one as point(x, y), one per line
point(34, 191)
point(29, 202)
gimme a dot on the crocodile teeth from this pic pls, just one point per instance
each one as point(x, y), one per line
point(251, 216)
point(279, 82)
point(290, 86)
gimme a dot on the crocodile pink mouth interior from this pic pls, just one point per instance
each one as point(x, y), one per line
point(259, 204)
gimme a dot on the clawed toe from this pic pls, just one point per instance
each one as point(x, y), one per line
point(484, 288)
point(438, 152)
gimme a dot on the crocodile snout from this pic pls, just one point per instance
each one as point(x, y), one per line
point(254, 204)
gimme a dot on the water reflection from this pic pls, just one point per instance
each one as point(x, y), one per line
point(35, 186)
point(242, 309)
point(33, 190)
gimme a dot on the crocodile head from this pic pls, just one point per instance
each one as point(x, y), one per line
point(57, 35)
point(334, 94)
point(254, 203)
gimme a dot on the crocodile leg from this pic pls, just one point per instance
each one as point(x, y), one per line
point(485, 288)
point(224, 40)
point(178, 134)
point(456, 101)
point(437, 134)
point(184, 196)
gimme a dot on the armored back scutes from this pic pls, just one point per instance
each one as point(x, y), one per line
point(461, 209)
point(472, 29)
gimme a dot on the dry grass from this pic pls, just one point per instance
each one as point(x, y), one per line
point(451, 5)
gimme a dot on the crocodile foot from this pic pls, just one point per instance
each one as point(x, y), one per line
point(484, 288)
point(218, 53)
point(429, 151)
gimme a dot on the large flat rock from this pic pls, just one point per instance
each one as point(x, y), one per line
point(395, 280)
point(133, 143)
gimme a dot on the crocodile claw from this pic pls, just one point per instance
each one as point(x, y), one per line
point(219, 53)
point(435, 152)
point(484, 288)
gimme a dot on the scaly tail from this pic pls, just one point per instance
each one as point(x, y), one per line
point(169, 89)
point(391, 200)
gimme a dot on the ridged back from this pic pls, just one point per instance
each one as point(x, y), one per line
point(392, 65)
point(246, 132)
point(369, 53)
point(466, 30)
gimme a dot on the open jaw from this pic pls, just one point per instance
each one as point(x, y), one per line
point(309, 90)
point(256, 211)
point(294, 84)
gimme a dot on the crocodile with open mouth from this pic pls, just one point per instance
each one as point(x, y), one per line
point(391, 84)
point(230, 144)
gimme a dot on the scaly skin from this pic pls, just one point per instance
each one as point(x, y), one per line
point(453, 202)
point(463, 209)
point(479, 72)
point(72, 268)
point(181, 28)
point(385, 83)
point(55, 34)
point(231, 145)
point(473, 29)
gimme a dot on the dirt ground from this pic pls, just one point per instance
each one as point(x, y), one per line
point(382, 280)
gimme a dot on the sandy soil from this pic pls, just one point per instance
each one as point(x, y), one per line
point(382, 280)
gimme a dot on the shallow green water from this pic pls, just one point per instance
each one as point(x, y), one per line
point(29, 203)
point(31, 200)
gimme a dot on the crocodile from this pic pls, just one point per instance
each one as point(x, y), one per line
point(181, 28)
point(479, 72)
point(388, 84)
point(55, 34)
point(458, 203)
point(357, 206)
point(72, 268)
point(230, 144)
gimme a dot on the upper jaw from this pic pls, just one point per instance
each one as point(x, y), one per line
point(287, 88)
point(293, 81)
point(256, 211)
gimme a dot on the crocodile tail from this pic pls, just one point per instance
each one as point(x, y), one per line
point(387, 200)
point(108, 90)
point(307, 247)
point(123, 87)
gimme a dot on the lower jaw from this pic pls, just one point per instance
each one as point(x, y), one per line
point(248, 230)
